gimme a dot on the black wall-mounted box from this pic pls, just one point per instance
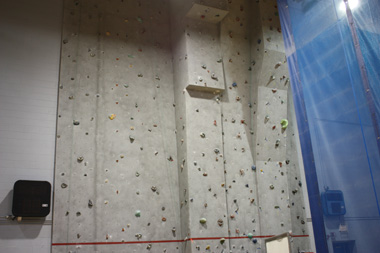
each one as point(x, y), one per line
point(31, 198)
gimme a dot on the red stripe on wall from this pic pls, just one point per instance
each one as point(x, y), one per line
point(164, 241)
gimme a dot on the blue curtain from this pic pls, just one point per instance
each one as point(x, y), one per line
point(333, 52)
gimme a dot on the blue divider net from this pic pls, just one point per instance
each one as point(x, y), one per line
point(337, 115)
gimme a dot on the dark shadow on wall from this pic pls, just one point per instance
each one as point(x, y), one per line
point(6, 204)
point(28, 228)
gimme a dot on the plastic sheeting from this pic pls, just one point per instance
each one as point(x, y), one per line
point(334, 61)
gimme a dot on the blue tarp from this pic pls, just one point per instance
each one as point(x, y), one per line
point(335, 77)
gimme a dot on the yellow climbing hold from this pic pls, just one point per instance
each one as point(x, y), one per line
point(112, 116)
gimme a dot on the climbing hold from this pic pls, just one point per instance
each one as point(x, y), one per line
point(234, 85)
point(220, 222)
point(284, 123)
point(277, 142)
point(216, 151)
point(137, 174)
point(203, 135)
point(277, 65)
point(138, 213)
point(204, 66)
point(154, 188)
point(75, 122)
point(131, 138)
point(203, 220)
point(140, 75)
point(138, 236)
point(222, 240)
point(163, 219)
point(90, 204)
point(208, 247)
point(63, 185)
point(254, 240)
point(250, 235)
point(139, 19)
point(271, 187)
point(80, 159)
point(112, 116)
point(253, 167)
point(213, 76)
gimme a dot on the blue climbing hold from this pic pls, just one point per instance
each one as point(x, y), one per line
point(253, 167)
point(254, 240)
point(234, 85)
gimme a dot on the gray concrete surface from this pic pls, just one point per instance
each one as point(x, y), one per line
point(172, 113)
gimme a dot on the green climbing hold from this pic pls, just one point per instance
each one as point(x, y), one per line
point(284, 123)
point(222, 240)
point(203, 220)
point(138, 213)
point(250, 235)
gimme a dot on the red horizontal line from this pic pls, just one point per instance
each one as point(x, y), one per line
point(112, 243)
point(164, 241)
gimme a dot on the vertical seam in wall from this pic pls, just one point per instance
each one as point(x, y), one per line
point(98, 67)
point(254, 138)
point(222, 124)
point(56, 125)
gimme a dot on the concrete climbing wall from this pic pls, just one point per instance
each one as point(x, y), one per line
point(280, 186)
point(169, 127)
point(116, 177)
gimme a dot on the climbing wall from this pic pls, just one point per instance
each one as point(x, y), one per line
point(280, 187)
point(116, 177)
point(173, 131)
